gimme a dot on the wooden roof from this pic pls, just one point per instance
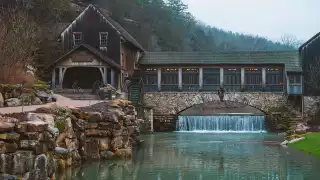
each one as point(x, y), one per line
point(290, 59)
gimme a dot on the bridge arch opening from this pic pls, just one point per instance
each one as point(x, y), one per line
point(219, 116)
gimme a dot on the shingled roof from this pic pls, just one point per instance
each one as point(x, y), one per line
point(289, 58)
point(123, 32)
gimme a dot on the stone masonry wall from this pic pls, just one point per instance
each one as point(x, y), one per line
point(34, 144)
point(175, 102)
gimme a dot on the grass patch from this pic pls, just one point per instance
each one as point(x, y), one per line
point(311, 144)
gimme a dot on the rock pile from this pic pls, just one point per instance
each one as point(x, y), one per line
point(16, 95)
point(25, 147)
point(33, 144)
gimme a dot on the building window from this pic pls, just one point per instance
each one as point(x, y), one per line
point(190, 79)
point(151, 80)
point(169, 78)
point(274, 79)
point(253, 79)
point(232, 79)
point(211, 79)
point(77, 38)
point(103, 39)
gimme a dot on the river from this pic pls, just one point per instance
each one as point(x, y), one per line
point(204, 156)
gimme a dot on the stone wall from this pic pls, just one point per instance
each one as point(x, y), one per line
point(175, 102)
point(18, 95)
point(33, 144)
point(311, 105)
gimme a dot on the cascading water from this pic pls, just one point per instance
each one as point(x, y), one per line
point(221, 123)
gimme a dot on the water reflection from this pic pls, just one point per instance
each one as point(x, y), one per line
point(191, 156)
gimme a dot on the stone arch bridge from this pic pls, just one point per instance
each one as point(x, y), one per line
point(168, 105)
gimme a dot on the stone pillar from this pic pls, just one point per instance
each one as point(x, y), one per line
point(53, 81)
point(264, 72)
point(221, 77)
point(180, 78)
point(242, 78)
point(113, 77)
point(200, 78)
point(159, 79)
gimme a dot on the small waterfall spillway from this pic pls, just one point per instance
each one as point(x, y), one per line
point(221, 123)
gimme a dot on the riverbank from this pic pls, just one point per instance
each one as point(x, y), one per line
point(311, 144)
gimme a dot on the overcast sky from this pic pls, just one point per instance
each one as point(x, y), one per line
point(268, 18)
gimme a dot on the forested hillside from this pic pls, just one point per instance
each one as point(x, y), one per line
point(28, 36)
point(161, 26)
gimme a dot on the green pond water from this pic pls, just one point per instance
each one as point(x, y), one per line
point(204, 156)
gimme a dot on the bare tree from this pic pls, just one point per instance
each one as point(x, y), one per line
point(19, 40)
point(290, 41)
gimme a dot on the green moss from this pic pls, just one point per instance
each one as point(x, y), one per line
point(311, 144)
point(60, 124)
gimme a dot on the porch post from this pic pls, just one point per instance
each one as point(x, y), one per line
point(60, 77)
point(53, 80)
point(105, 79)
point(200, 78)
point(263, 78)
point(113, 77)
point(159, 79)
point(180, 78)
point(221, 77)
point(242, 77)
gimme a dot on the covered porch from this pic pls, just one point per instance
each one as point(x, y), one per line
point(84, 68)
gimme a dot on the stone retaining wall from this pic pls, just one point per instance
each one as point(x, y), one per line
point(33, 144)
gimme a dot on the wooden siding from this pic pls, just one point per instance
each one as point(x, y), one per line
point(90, 23)
point(128, 58)
point(310, 54)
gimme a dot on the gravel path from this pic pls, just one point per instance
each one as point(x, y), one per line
point(61, 100)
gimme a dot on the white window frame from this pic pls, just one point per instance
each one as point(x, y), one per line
point(74, 38)
point(100, 39)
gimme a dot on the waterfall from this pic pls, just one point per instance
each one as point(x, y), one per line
point(221, 123)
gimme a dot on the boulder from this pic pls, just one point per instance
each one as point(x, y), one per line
point(4, 176)
point(301, 128)
point(8, 119)
point(72, 144)
point(96, 132)
point(104, 144)
point(13, 102)
point(6, 126)
point(32, 126)
point(107, 155)
point(95, 117)
point(23, 161)
point(6, 147)
point(123, 153)
point(9, 136)
point(91, 148)
point(36, 101)
point(48, 118)
point(61, 150)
